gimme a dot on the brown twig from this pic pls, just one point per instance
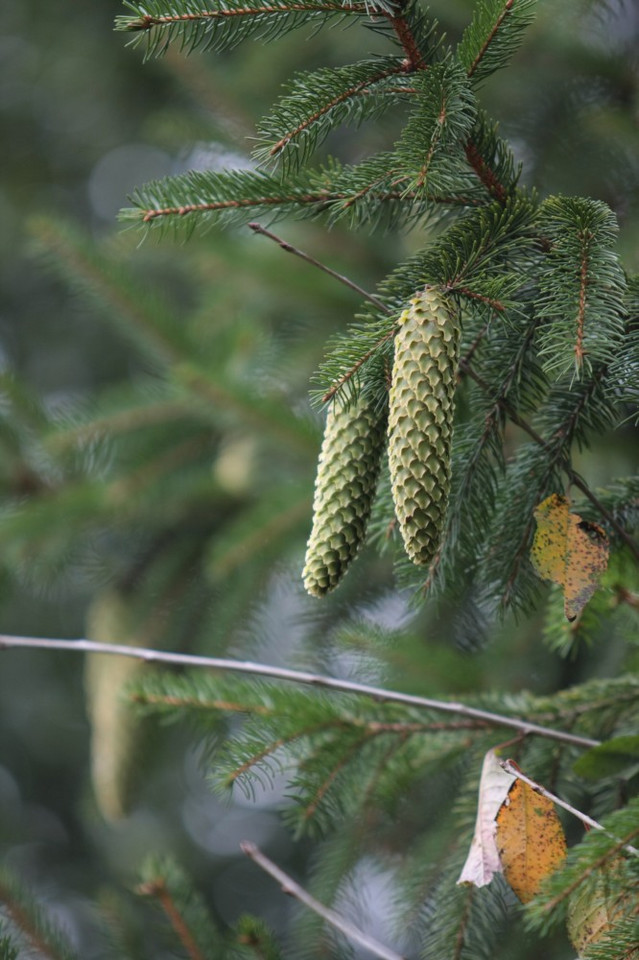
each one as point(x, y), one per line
point(340, 277)
point(293, 889)
point(489, 301)
point(485, 172)
point(414, 57)
point(27, 925)
point(158, 889)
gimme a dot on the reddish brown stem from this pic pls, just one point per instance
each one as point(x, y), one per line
point(414, 58)
point(148, 21)
point(354, 91)
point(485, 173)
point(581, 314)
point(159, 890)
point(491, 36)
point(26, 924)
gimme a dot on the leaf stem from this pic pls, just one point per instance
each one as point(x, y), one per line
point(293, 888)
point(299, 676)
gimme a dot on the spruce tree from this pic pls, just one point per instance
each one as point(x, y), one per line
point(455, 403)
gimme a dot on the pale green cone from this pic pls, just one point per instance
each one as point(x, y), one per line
point(420, 420)
point(346, 479)
point(115, 729)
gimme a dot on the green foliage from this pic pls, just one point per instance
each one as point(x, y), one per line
point(29, 924)
point(8, 950)
point(185, 487)
point(439, 125)
point(305, 116)
point(581, 308)
point(158, 23)
point(493, 36)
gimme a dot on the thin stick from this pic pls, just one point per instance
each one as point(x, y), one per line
point(289, 248)
point(299, 676)
point(514, 770)
point(292, 888)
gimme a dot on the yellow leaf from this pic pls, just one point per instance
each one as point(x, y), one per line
point(569, 551)
point(530, 839)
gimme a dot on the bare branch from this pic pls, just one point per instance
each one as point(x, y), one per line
point(340, 923)
point(289, 248)
point(300, 676)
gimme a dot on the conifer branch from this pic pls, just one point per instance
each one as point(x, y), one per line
point(273, 747)
point(291, 887)
point(30, 924)
point(298, 676)
point(147, 20)
point(460, 939)
point(334, 772)
point(581, 312)
point(372, 727)
point(350, 373)
point(158, 889)
point(514, 770)
point(363, 87)
point(225, 706)
point(489, 301)
point(123, 421)
point(181, 211)
point(322, 200)
point(491, 36)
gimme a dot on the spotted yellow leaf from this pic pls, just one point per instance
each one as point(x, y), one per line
point(530, 839)
point(569, 551)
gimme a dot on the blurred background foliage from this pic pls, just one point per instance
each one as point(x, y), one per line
point(155, 418)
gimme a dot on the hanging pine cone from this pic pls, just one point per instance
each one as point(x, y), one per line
point(420, 420)
point(346, 478)
point(115, 727)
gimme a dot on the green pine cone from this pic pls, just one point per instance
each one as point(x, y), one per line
point(420, 420)
point(115, 729)
point(346, 479)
